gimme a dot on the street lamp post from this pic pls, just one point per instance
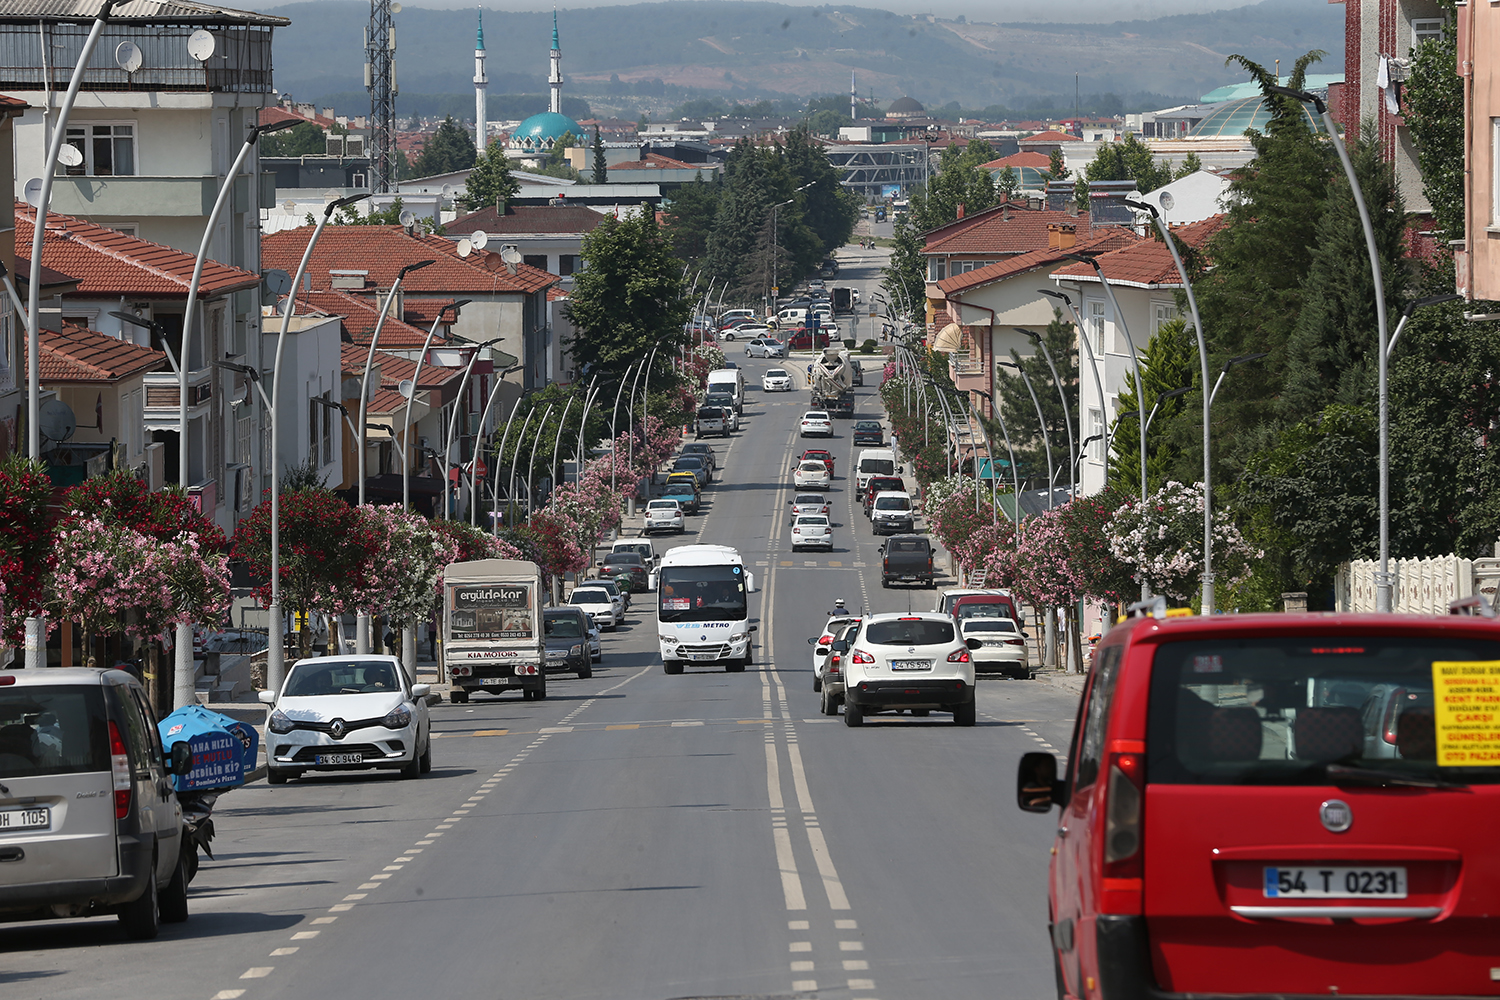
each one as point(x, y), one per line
point(458, 403)
point(1383, 581)
point(553, 472)
point(510, 517)
point(614, 433)
point(474, 465)
point(1083, 335)
point(1232, 362)
point(776, 244)
point(1042, 421)
point(531, 464)
point(500, 457)
point(1015, 475)
point(416, 379)
point(1063, 398)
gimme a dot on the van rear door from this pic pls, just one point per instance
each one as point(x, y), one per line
point(1299, 834)
point(57, 802)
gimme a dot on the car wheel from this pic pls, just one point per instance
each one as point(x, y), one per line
point(426, 766)
point(585, 673)
point(172, 908)
point(413, 769)
point(671, 666)
point(920, 713)
point(458, 696)
point(885, 582)
point(830, 705)
point(141, 917)
point(963, 715)
point(853, 717)
point(275, 777)
point(817, 682)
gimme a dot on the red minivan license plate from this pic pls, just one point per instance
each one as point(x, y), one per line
point(1334, 882)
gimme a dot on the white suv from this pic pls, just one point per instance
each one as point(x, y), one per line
point(916, 662)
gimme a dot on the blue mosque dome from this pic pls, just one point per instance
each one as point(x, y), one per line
point(540, 132)
point(1230, 119)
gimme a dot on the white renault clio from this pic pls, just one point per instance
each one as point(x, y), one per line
point(345, 713)
point(916, 662)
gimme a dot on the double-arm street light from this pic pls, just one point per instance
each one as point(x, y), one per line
point(1088, 347)
point(416, 380)
point(474, 465)
point(776, 243)
point(1063, 398)
point(1231, 363)
point(1041, 421)
point(458, 404)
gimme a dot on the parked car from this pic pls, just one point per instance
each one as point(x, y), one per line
point(812, 531)
point(1225, 830)
point(629, 566)
point(906, 559)
point(748, 329)
point(869, 432)
point(810, 503)
point(765, 347)
point(664, 514)
point(822, 455)
point(812, 474)
point(816, 423)
point(600, 606)
point(697, 465)
point(342, 713)
point(776, 380)
point(640, 547)
point(566, 630)
point(982, 604)
point(87, 829)
point(802, 339)
point(685, 476)
point(726, 402)
point(685, 493)
point(1003, 649)
point(911, 662)
point(856, 371)
point(892, 513)
point(616, 592)
point(704, 451)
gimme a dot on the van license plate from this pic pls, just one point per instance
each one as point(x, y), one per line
point(25, 819)
point(494, 681)
point(1331, 882)
point(341, 758)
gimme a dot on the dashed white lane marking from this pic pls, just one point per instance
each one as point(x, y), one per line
point(856, 965)
point(851, 946)
point(259, 972)
point(229, 994)
point(279, 952)
point(800, 946)
point(804, 985)
point(803, 966)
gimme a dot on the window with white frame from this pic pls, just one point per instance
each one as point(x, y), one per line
point(1096, 324)
point(1495, 171)
point(965, 266)
point(1427, 29)
point(1162, 313)
point(937, 269)
point(1096, 432)
point(327, 428)
point(107, 149)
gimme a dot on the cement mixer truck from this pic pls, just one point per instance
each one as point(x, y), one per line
point(831, 378)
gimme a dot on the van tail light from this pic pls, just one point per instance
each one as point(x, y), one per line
point(959, 656)
point(1122, 816)
point(1392, 713)
point(119, 765)
point(860, 656)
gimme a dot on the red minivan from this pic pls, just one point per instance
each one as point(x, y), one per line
point(1253, 806)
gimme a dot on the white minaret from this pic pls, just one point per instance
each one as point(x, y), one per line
point(481, 85)
point(555, 77)
point(853, 99)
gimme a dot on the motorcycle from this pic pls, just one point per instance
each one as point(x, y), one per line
point(197, 826)
point(225, 751)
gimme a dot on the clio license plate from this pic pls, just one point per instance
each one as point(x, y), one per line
point(341, 758)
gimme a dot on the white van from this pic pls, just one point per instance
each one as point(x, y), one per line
point(791, 316)
point(874, 462)
point(729, 379)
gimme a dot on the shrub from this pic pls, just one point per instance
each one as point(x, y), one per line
point(868, 347)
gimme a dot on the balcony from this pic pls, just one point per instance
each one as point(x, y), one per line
point(148, 197)
point(161, 411)
point(968, 372)
point(241, 63)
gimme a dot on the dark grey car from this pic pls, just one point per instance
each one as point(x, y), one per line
point(566, 631)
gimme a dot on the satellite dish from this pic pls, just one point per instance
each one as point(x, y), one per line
point(1167, 201)
point(479, 238)
point(34, 192)
point(510, 255)
point(465, 248)
point(408, 219)
point(69, 156)
point(200, 45)
point(55, 420)
point(406, 386)
point(447, 190)
point(395, 8)
point(278, 282)
point(128, 56)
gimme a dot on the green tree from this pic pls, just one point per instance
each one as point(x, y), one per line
point(349, 215)
point(828, 208)
point(1331, 354)
point(905, 275)
point(760, 190)
point(1057, 167)
point(1433, 106)
point(601, 165)
point(1007, 183)
point(1190, 165)
point(1169, 362)
point(490, 182)
point(959, 181)
point(302, 139)
point(690, 217)
point(629, 299)
point(450, 148)
point(1020, 411)
point(1123, 161)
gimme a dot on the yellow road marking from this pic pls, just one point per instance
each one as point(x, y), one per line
point(633, 725)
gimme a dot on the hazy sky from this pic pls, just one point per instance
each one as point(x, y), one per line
point(1010, 10)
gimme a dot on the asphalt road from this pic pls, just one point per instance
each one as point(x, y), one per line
point(635, 836)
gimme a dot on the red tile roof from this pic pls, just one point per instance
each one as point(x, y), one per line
point(1107, 239)
point(1025, 158)
point(655, 161)
point(421, 312)
point(991, 232)
point(78, 354)
point(359, 315)
point(278, 114)
point(1147, 263)
point(527, 219)
point(1048, 137)
point(107, 262)
point(394, 368)
point(385, 401)
point(384, 250)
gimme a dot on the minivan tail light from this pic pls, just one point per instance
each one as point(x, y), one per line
point(1122, 816)
point(119, 765)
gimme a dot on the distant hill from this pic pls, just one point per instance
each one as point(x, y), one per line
point(659, 53)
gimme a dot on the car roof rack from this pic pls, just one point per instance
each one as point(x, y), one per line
point(1156, 607)
point(1473, 605)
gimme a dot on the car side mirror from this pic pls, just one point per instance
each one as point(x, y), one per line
point(812, 640)
point(181, 761)
point(753, 628)
point(974, 643)
point(1037, 787)
point(421, 690)
point(1025, 635)
point(267, 697)
point(841, 647)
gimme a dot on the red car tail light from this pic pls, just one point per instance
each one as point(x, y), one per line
point(1122, 817)
point(860, 656)
point(1015, 642)
point(119, 763)
point(825, 640)
point(959, 656)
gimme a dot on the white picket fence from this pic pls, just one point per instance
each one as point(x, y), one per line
point(1422, 586)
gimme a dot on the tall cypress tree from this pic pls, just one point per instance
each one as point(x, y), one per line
point(601, 166)
point(1020, 410)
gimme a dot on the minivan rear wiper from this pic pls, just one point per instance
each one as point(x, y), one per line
point(1353, 774)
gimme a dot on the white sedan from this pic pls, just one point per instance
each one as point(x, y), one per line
point(812, 531)
point(816, 423)
point(1004, 646)
point(812, 474)
point(776, 380)
point(344, 713)
point(599, 605)
point(663, 514)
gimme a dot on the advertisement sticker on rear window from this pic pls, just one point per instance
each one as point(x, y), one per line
point(492, 611)
point(1466, 711)
point(1208, 663)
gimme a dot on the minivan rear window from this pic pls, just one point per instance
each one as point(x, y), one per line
point(52, 730)
point(877, 466)
point(892, 503)
point(909, 632)
point(1303, 710)
point(983, 609)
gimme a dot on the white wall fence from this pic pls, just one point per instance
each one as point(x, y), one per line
point(1421, 586)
